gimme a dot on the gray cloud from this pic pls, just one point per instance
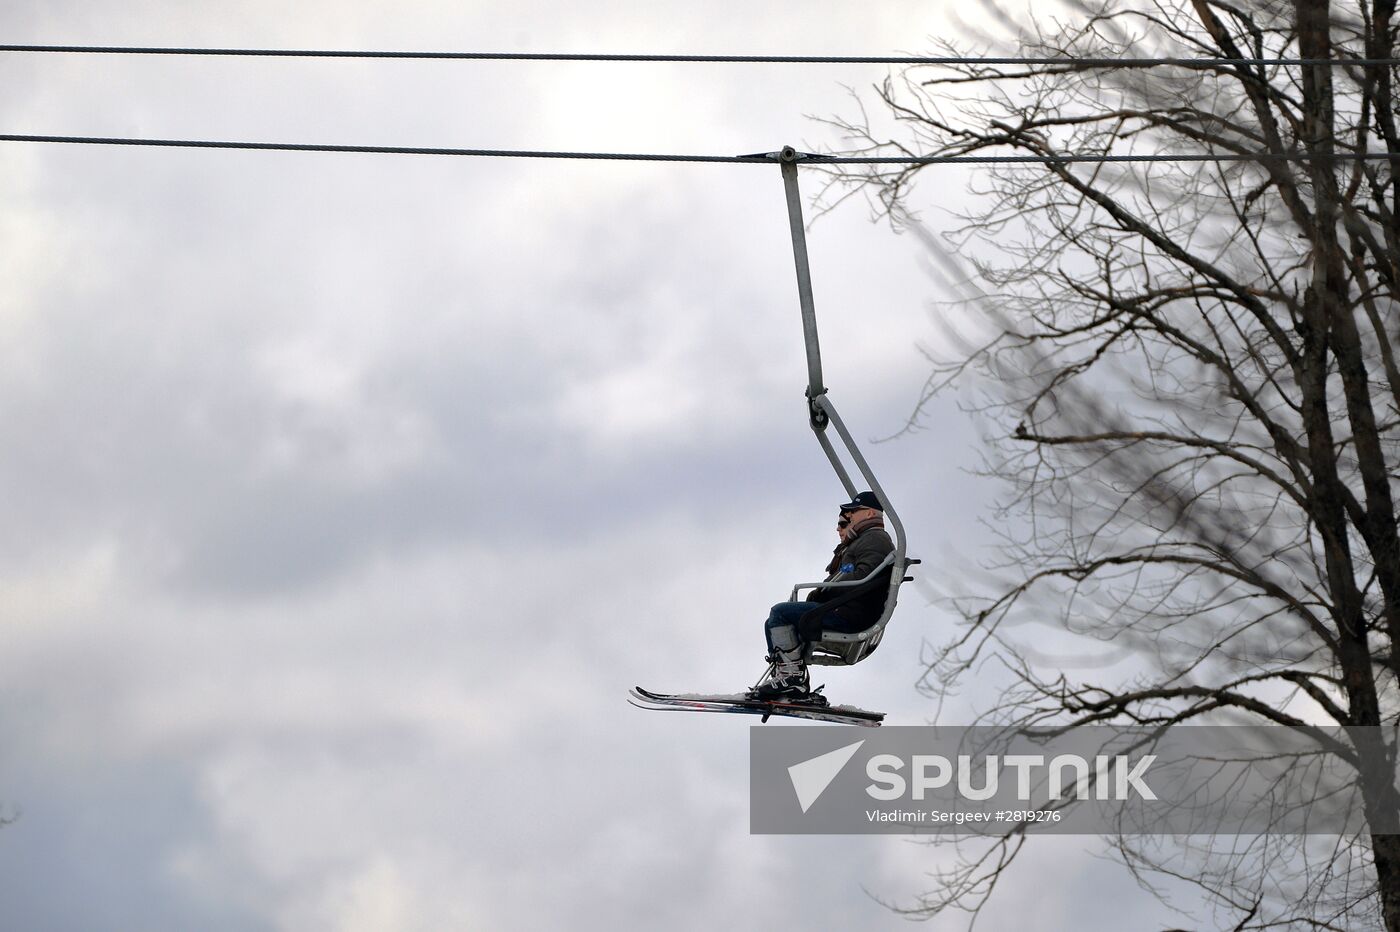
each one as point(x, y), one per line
point(343, 497)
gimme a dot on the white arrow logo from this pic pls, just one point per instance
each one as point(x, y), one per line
point(811, 777)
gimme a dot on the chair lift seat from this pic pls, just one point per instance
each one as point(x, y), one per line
point(830, 647)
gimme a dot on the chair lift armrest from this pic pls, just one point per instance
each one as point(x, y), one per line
point(845, 583)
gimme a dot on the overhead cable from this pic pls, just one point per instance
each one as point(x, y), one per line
point(765, 158)
point(380, 150)
point(1067, 61)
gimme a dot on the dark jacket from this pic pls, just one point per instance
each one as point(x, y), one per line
point(854, 559)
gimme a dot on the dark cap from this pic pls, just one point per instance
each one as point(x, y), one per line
point(863, 500)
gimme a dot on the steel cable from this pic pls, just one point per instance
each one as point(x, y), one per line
point(757, 158)
point(1087, 62)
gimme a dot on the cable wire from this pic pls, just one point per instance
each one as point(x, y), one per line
point(704, 59)
point(380, 150)
point(765, 158)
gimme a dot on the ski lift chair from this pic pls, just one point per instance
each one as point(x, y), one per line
point(831, 647)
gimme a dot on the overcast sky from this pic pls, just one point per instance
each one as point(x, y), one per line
point(345, 496)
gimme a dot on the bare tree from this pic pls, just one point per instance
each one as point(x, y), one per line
point(1192, 369)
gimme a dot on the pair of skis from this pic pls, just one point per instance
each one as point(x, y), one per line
point(816, 709)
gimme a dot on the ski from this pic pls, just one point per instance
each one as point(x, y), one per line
point(814, 714)
point(741, 704)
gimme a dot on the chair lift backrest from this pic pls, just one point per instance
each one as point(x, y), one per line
point(839, 648)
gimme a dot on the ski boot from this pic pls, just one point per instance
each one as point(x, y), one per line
point(786, 681)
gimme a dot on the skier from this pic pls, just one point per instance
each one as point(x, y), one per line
point(792, 626)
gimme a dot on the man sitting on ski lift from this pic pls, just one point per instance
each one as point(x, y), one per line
point(792, 626)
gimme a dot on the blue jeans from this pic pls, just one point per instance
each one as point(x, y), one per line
point(781, 627)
